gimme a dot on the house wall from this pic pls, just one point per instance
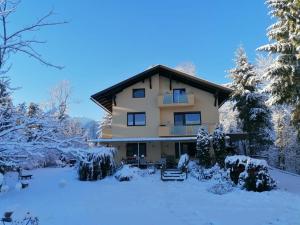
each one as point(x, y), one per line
point(125, 103)
point(155, 116)
point(204, 102)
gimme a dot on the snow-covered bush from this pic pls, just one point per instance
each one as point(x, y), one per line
point(211, 172)
point(192, 165)
point(214, 173)
point(203, 146)
point(236, 165)
point(126, 173)
point(97, 164)
point(183, 161)
point(194, 169)
point(218, 142)
point(27, 220)
point(151, 170)
point(221, 188)
point(251, 174)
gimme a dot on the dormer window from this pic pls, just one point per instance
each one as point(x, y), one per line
point(138, 93)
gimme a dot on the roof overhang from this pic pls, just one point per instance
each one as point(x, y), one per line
point(105, 98)
point(143, 140)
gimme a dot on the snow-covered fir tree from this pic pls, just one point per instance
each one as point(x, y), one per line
point(218, 143)
point(203, 146)
point(5, 104)
point(253, 114)
point(285, 45)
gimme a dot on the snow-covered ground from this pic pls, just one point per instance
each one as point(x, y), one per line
point(58, 198)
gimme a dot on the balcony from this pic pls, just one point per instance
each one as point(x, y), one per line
point(106, 132)
point(170, 100)
point(191, 130)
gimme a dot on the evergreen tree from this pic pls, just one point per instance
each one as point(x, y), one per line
point(285, 71)
point(203, 146)
point(6, 104)
point(218, 142)
point(253, 114)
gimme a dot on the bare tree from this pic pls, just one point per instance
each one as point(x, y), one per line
point(18, 41)
point(104, 123)
point(60, 98)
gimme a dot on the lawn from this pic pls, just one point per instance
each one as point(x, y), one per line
point(58, 198)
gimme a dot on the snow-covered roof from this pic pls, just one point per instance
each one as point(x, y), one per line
point(142, 139)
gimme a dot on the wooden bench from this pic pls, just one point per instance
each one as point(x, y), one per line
point(25, 177)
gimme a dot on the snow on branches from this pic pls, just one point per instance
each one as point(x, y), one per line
point(253, 114)
point(30, 135)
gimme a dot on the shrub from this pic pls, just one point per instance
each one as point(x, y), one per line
point(221, 188)
point(203, 146)
point(97, 164)
point(218, 143)
point(251, 174)
point(126, 173)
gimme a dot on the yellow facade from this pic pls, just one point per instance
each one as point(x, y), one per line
point(159, 116)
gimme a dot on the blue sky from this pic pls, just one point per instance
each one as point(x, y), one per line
point(108, 41)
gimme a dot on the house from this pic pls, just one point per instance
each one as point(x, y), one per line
point(156, 114)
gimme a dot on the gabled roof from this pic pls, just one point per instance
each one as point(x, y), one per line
point(105, 97)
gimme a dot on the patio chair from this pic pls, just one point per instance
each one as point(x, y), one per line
point(7, 218)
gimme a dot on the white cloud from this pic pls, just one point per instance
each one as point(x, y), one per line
point(186, 67)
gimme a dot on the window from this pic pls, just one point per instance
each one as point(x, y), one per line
point(179, 95)
point(138, 93)
point(188, 118)
point(132, 149)
point(136, 119)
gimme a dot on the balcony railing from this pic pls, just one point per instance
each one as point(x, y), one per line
point(170, 98)
point(181, 130)
point(176, 100)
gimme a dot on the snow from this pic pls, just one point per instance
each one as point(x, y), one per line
point(1, 179)
point(111, 202)
point(183, 161)
point(286, 181)
point(127, 172)
point(245, 160)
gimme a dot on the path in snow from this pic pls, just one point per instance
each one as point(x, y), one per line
point(286, 181)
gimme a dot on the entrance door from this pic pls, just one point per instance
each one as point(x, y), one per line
point(185, 147)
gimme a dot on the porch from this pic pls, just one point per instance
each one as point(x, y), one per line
point(156, 151)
